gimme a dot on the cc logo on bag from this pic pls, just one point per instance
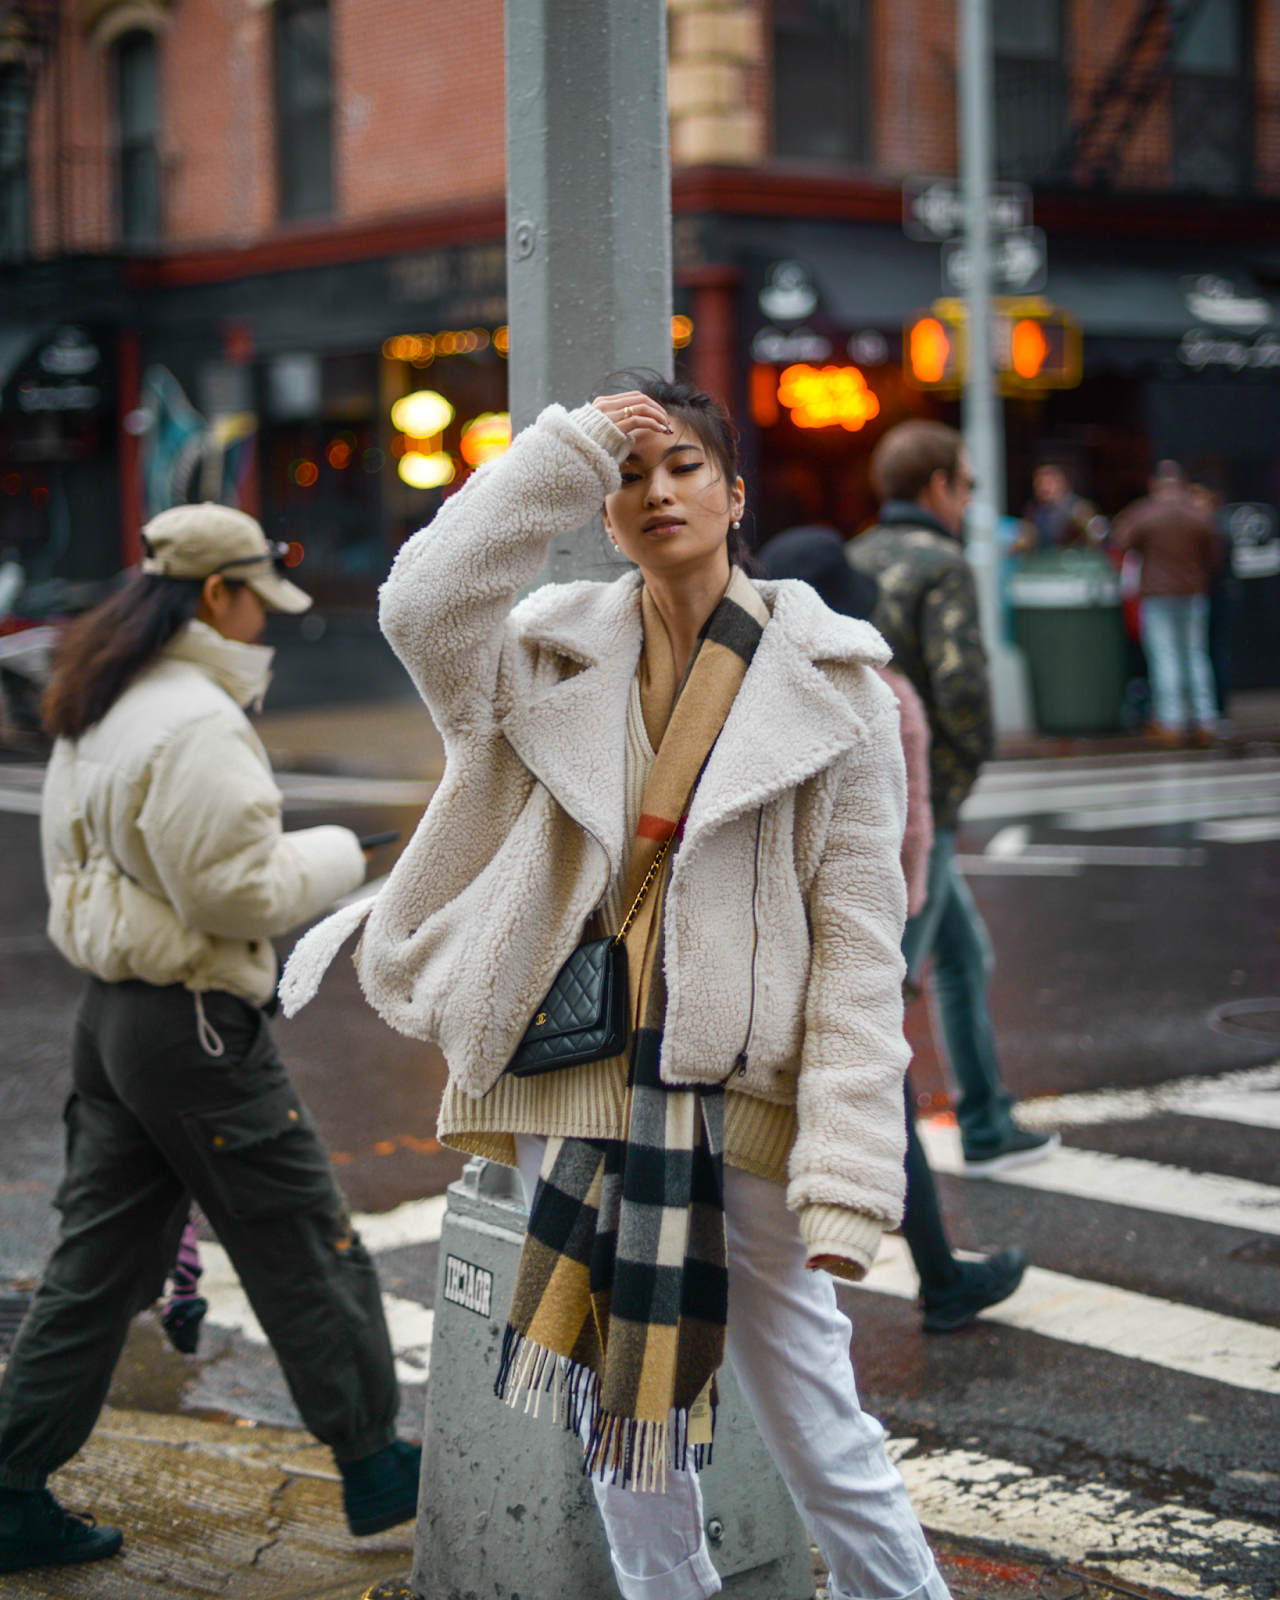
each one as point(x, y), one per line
point(539, 1019)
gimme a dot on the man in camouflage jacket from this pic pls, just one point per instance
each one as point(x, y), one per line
point(928, 613)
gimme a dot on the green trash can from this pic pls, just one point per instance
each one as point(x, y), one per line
point(1067, 619)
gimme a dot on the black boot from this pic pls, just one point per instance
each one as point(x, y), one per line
point(381, 1490)
point(181, 1321)
point(981, 1284)
point(36, 1532)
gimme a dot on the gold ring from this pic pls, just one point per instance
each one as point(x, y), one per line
point(627, 412)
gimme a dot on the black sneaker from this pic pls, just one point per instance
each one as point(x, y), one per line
point(181, 1321)
point(982, 1284)
point(1018, 1150)
point(36, 1532)
point(381, 1490)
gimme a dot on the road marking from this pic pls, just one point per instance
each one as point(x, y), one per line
point(1124, 1181)
point(1239, 788)
point(1013, 843)
point(1140, 1327)
point(1250, 1096)
point(20, 802)
point(1244, 830)
point(1160, 814)
point(1169, 1546)
point(1015, 867)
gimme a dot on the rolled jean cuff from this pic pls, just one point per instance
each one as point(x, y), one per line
point(16, 1478)
point(933, 1588)
point(694, 1579)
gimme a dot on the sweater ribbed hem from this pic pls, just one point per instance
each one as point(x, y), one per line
point(601, 431)
point(587, 1103)
point(852, 1236)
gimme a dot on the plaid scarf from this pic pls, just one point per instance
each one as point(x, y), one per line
point(621, 1295)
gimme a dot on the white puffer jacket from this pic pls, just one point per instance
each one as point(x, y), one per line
point(786, 902)
point(163, 853)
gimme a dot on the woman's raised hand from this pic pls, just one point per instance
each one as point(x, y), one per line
point(633, 412)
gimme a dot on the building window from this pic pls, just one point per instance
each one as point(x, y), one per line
point(137, 133)
point(1032, 110)
point(1212, 98)
point(821, 80)
point(304, 108)
point(15, 101)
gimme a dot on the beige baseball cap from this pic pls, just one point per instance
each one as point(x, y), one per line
point(199, 541)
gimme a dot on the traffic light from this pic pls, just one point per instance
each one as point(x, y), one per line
point(933, 347)
point(1037, 347)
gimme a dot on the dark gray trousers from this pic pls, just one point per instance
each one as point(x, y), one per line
point(153, 1119)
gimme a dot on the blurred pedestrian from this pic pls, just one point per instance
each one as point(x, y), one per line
point(1181, 553)
point(1224, 594)
point(168, 876)
point(952, 1292)
point(716, 756)
point(1055, 517)
point(928, 613)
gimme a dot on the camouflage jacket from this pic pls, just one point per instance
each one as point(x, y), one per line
point(928, 613)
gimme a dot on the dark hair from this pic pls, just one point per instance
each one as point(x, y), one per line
point(103, 651)
point(704, 415)
point(905, 460)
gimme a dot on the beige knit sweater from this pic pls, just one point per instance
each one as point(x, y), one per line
point(587, 1102)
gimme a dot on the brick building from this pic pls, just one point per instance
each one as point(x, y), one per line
point(234, 232)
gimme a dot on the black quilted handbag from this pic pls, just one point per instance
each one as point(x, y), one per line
point(584, 1015)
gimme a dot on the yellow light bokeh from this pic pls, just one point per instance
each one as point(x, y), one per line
point(486, 438)
point(426, 472)
point(502, 340)
point(827, 397)
point(422, 413)
point(681, 332)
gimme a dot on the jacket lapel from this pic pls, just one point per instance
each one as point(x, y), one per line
point(572, 737)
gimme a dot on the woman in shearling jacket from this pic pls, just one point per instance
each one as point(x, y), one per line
point(779, 975)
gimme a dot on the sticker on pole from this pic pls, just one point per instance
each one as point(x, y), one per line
point(467, 1285)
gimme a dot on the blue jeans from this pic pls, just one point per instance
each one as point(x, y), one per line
point(950, 929)
point(1175, 635)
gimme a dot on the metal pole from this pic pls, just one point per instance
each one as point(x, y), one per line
point(588, 214)
point(982, 408)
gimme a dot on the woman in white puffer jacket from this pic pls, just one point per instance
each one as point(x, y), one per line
point(169, 875)
point(777, 977)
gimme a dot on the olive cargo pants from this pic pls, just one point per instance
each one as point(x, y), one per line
point(153, 1119)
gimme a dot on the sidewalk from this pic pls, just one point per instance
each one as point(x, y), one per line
point(255, 1513)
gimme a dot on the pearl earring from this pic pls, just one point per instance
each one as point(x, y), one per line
point(737, 524)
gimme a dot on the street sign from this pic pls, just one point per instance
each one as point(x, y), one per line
point(933, 208)
point(1019, 263)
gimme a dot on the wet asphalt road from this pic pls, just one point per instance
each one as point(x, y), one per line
point(1105, 979)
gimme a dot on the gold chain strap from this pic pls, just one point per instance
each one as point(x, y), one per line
point(649, 876)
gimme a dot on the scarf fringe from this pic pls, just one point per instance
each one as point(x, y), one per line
point(624, 1451)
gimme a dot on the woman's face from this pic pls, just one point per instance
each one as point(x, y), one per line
point(672, 514)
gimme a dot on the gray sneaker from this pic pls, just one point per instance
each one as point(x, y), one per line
point(1018, 1150)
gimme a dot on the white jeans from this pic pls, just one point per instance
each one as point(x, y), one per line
point(789, 1345)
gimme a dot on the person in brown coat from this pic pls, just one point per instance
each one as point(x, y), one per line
point(1180, 553)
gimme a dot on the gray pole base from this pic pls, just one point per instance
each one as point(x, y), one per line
point(505, 1512)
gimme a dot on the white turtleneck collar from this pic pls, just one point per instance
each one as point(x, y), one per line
point(243, 670)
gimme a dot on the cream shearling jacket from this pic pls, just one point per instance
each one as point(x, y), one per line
point(786, 902)
point(163, 852)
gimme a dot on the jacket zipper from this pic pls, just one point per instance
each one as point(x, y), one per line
point(740, 1061)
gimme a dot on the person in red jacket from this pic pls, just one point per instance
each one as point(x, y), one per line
point(1180, 552)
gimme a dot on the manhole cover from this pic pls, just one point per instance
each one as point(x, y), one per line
point(1247, 1019)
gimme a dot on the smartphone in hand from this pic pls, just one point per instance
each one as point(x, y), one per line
point(375, 841)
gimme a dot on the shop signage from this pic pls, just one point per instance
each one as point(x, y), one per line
point(1213, 299)
point(933, 208)
point(789, 295)
point(1255, 549)
point(1019, 263)
point(1202, 348)
point(801, 344)
point(68, 359)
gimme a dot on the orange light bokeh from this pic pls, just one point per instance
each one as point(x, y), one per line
point(681, 331)
point(827, 397)
point(486, 438)
point(929, 348)
point(305, 473)
point(294, 554)
point(1030, 347)
point(764, 395)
